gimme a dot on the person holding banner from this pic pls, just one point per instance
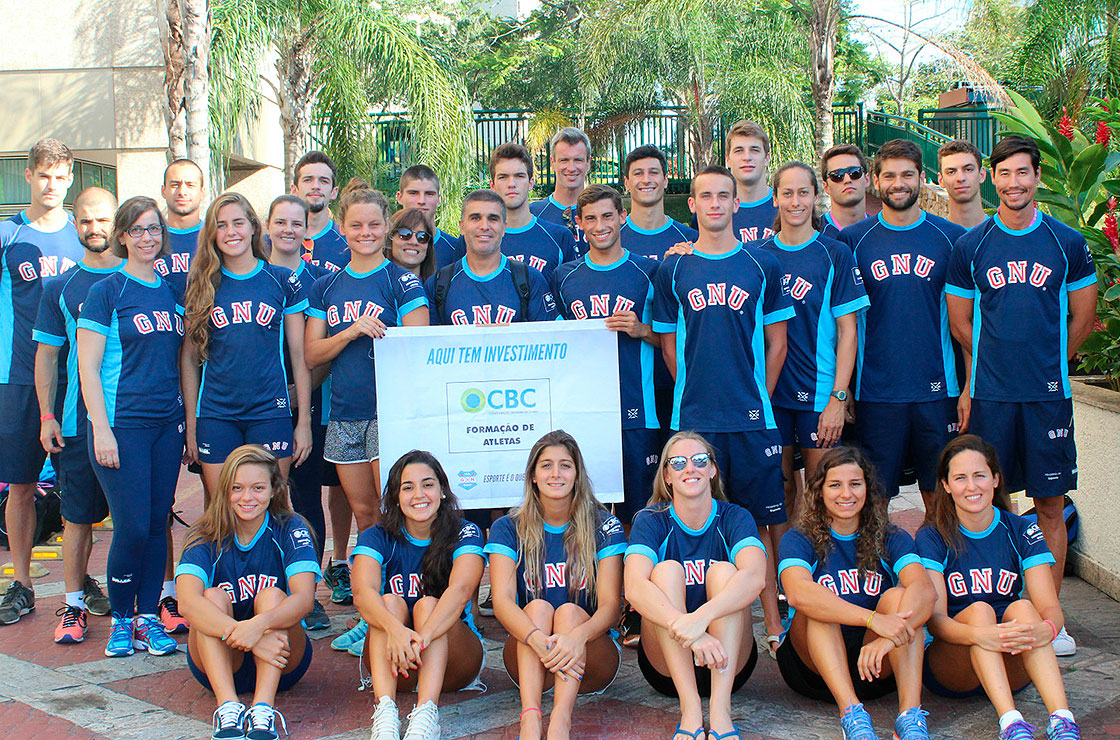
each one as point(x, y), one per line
point(694, 566)
point(556, 582)
point(414, 576)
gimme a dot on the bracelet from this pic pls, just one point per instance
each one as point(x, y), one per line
point(1053, 627)
point(46, 417)
point(532, 709)
point(530, 633)
point(869, 620)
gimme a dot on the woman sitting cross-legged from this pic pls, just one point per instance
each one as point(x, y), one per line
point(245, 580)
point(858, 598)
point(556, 581)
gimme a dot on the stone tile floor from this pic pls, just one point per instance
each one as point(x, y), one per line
point(49, 691)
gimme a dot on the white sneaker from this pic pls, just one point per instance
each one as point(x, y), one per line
point(423, 722)
point(1064, 645)
point(386, 721)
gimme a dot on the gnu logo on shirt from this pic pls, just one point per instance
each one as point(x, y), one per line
point(556, 576)
point(800, 288)
point(1017, 273)
point(535, 262)
point(849, 583)
point(352, 311)
point(248, 586)
point(601, 306)
point(750, 233)
point(718, 295)
point(396, 585)
point(242, 313)
point(49, 266)
point(179, 263)
point(979, 581)
point(900, 264)
point(484, 315)
point(159, 321)
point(694, 571)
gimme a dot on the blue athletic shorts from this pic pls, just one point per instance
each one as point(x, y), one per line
point(893, 433)
point(641, 450)
point(797, 427)
point(21, 453)
point(218, 437)
point(83, 501)
point(1034, 441)
point(245, 677)
point(750, 466)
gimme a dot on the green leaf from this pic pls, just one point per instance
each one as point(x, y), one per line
point(1048, 196)
point(1061, 144)
point(1085, 170)
point(1112, 293)
point(1027, 112)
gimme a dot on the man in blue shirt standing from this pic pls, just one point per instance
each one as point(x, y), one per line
point(419, 188)
point(315, 179)
point(648, 231)
point(183, 191)
point(846, 177)
point(747, 156)
point(1022, 297)
point(571, 161)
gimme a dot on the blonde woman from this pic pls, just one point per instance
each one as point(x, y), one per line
point(245, 580)
point(556, 582)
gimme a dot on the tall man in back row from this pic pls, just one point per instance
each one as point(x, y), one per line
point(419, 188)
point(571, 161)
point(747, 155)
point(183, 191)
point(1022, 297)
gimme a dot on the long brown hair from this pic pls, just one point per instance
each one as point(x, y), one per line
point(942, 516)
point(416, 220)
point(816, 523)
point(585, 515)
point(206, 269)
point(218, 521)
point(128, 214)
point(662, 491)
point(815, 220)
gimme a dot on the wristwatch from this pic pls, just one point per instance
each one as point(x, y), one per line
point(840, 395)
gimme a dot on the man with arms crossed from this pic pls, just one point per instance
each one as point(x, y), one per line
point(571, 161)
point(419, 188)
point(1036, 285)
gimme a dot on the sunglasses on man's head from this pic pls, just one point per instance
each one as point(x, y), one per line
point(678, 462)
point(422, 237)
point(856, 172)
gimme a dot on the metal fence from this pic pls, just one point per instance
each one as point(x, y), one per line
point(972, 124)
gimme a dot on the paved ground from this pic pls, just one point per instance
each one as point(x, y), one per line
point(49, 691)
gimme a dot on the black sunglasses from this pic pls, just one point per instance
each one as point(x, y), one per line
point(856, 172)
point(678, 462)
point(422, 237)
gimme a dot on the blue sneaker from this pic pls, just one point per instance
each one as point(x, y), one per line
point(1061, 728)
point(260, 722)
point(229, 721)
point(149, 634)
point(120, 637)
point(1018, 730)
point(857, 724)
point(357, 634)
point(911, 725)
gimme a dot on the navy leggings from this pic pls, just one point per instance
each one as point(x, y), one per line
point(140, 494)
point(305, 485)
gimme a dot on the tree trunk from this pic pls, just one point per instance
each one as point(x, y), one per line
point(173, 82)
point(296, 92)
point(824, 20)
point(196, 47)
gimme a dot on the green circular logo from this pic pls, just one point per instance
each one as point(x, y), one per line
point(473, 400)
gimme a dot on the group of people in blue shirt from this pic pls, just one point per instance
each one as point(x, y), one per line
point(760, 340)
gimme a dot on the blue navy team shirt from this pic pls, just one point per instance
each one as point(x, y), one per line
point(279, 550)
point(57, 326)
point(247, 326)
point(824, 284)
point(327, 248)
point(142, 324)
point(829, 227)
point(839, 572)
point(490, 299)
point(307, 274)
point(400, 560)
point(609, 541)
point(754, 220)
point(549, 210)
point(176, 266)
point(388, 293)
point(26, 256)
point(447, 248)
point(659, 535)
point(542, 245)
point(585, 290)
point(1019, 282)
point(991, 564)
point(717, 305)
point(905, 351)
point(654, 243)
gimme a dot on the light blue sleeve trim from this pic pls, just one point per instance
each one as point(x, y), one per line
point(643, 550)
point(468, 550)
point(43, 337)
point(1084, 282)
point(369, 552)
point(315, 313)
point(793, 563)
point(611, 551)
point(298, 308)
point(664, 327)
point(851, 306)
point(411, 306)
point(181, 310)
point(1044, 558)
point(190, 569)
point(747, 542)
point(304, 566)
point(93, 326)
point(960, 292)
point(930, 564)
point(907, 559)
point(782, 314)
point(493, 548)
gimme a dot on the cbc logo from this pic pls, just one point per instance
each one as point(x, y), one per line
point(475, 400)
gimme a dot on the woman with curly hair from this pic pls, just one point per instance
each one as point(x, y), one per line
point(414, 576)
point(858, 594)
point(556, 581)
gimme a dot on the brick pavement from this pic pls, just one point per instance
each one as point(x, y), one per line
point(49, 691)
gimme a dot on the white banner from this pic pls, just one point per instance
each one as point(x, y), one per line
point(479, 397)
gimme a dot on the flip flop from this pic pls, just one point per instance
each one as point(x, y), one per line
point(694, 735)
point(713, 735)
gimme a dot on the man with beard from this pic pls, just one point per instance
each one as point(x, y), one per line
point(1022, 297)
point(419, 189)
point(183, 191)
point(83, 502)
point(906, 382)
point(846, 179)
point(960, 170)
point(747, 155)
point(315, 179)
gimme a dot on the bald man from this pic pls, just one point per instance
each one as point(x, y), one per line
point(83, 503)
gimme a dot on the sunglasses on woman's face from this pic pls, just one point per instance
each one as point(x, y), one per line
point(422, 237)
point(838, 175)
point(678, 462)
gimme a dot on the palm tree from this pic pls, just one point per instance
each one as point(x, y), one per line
point(186, 48)
point(822, 19)
point(330, 57)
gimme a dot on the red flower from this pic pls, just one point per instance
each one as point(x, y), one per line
point(1065, 125)
point(1112, 231)
point(1102, 133)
